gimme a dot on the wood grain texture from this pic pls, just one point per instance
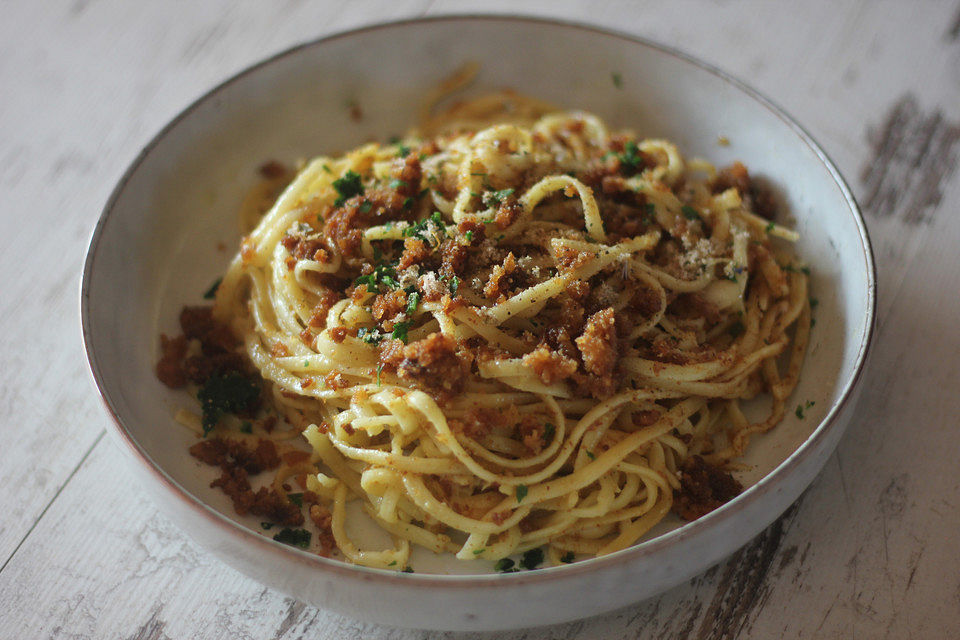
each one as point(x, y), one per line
point(869, 550)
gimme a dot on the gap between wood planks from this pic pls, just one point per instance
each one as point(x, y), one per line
point(56, 495)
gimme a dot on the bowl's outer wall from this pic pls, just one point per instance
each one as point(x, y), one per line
point(152, 252)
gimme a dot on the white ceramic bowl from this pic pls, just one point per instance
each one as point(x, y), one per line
point(154, 250)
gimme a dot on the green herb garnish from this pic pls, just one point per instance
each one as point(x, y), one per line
point(370, 336)
point(631, 158)
point(400, 331)
point(294, 537)
point(347, 186)
point(689, 212)
point(617, 79)
point(521, 492)
point(211, 293)
point(505, 565)
point(803, 407)
point(532, 558)
point(222, 393)
point(413, 301)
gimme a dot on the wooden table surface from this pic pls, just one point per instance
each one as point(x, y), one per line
point(870, 550)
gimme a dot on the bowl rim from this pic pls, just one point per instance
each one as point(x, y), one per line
point(631, 554)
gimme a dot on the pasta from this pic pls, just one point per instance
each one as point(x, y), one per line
point(510, 330)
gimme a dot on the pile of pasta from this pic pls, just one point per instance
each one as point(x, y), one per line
point(515, 329)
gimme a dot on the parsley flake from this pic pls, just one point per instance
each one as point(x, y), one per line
point(521, 492)
point(347, 186)
point(211, 293)
point(225, 393)
point(531, 559)
point(370, 336)
point(689, 212)
point(296, 498)
point(803, 407)
point(400, 331)
point(504, 565)
point(617, 79)
point(413, 301)
point(631, 159)
point(294, 537)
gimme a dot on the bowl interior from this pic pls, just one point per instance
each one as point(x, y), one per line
point(171, 228)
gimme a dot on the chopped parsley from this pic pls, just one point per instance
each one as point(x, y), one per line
point(803, 407)
point(496, 197)
point(531, 559)
point(396, 183)
point(477, 552)
point(630, 158)
point(591, 455)
point(379, 371)
point(454, 284)
point(370, 336)
point(813, 303)
point(407, 202)
point(403, 150)
point(419, 228)
point(548, 431)
point(413, 301)
point(393, 563)
point(294, 537)
point(568, 557)
point(296, 498)
point(770, 227)
point(222, 393)
point(266, 526)
point(211, 293)
point(469, 235)
point(365, 206)
point(327, 168)
point(400, 331)
point(347, 186)
point(505, 565)
point(617, 79)
point(521, 492)
point(383, 274)
point(689, 212)
point(408, 569)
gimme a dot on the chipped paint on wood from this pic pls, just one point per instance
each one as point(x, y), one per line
point(914, 154)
